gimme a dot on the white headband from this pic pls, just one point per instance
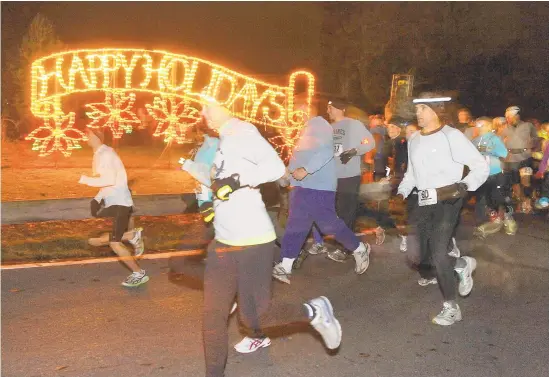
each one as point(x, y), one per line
point(428, 100)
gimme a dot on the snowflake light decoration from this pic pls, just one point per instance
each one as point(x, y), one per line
point(115, 113)
point(286, 140)
point(173, 117)
point(56, 134)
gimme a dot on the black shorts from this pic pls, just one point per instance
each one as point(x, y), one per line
point(120, 220)
point(512, 170)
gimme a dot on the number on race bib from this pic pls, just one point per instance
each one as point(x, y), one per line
point(427, 197)
point(338, 149)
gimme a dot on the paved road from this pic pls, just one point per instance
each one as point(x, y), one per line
point(78, 320)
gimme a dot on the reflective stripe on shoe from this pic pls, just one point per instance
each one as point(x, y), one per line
point(249, 345)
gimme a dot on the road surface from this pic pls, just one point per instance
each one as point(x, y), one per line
point(78, 320)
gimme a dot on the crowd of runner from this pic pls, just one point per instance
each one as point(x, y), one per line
point(427, 162)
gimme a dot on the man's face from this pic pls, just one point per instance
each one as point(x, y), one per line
point(334, 113)
point(393, 131)
point(463, 117)
point(425, 115)
point(511, 118)
point(410, 130)
point(376, 122)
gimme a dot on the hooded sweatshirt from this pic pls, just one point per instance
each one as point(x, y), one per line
point(315, 152)
point(201, 166)
point(492, 149)
point(242, 220)
point(348, 134)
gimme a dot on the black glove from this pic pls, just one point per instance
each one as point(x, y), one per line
point(207, 212)
point(96, 206)
point(347, 155)
point(455, 191)
point(224, 187)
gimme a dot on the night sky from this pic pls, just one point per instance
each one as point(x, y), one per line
point(269, 40)
point(256, 38)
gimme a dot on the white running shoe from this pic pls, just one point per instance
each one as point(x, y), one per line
point(317, 248)
point(380, 235)
point(425, 282)
point(448, 316)
point(362, 258)
point(249, 345)
point(325, 322)
point(403, 244)
point(136, 279)
point(137, 242)
point(337, 256)
point(456, 253)
point(465, 276)
point(280, 273)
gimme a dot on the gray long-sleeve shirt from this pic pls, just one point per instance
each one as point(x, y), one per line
point(348, 134)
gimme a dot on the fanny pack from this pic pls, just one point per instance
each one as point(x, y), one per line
point(433, 196)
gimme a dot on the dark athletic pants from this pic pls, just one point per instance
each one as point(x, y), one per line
point(347, 200)
point(244, 272)
point(435, 226)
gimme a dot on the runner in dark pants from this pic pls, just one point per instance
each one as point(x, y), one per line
point(436, 159)
point(239, 261)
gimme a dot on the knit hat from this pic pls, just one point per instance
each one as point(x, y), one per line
point(338, 104)
point(512, 110)
point(399, 121)
point(435, 101)
point(97, 132)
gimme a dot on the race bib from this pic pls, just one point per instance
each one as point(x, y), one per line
point(338, 149)
point(427, 197)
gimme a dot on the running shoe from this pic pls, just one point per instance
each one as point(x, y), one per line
point(280, 274)
point(317, 248)
point(249, 345)
point(403, 244)
point(449, 315)
point(303, 254)
point(325, 322)
point(136, 279)
point(425, 282)
point(510, 225)
point(137, 242)
point(466, 276)
point(380, 235)
point(362, 258)
point(337, 256)
point(490, 227)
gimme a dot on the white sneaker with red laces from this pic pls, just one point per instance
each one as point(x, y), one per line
point(249, 345)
